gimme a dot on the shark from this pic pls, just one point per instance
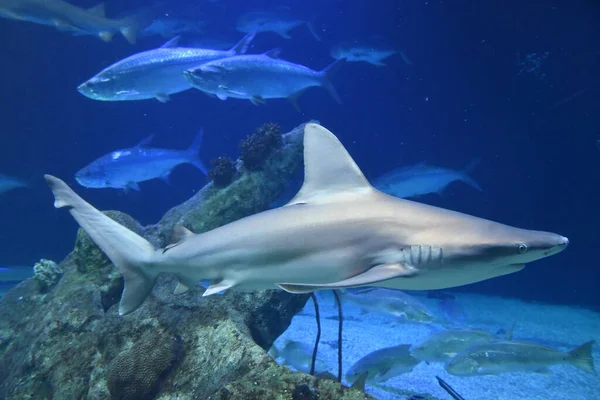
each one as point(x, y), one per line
point(68, 17)
point(337, 232)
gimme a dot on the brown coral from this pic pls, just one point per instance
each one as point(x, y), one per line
point(223, 172)
point(136, 373)
point(256, 148)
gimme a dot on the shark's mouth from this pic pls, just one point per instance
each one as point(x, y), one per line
point(514, 267)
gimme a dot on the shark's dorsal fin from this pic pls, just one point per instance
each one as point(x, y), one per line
point(328, 168)
point(178, 235)
point(171, 43)
point(98, 10)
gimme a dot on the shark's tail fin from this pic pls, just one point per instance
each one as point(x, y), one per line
point(130, 252)
point(241, 47)
point(581, 357)
point(464, 176)
point(194, 152)
point(327, 73)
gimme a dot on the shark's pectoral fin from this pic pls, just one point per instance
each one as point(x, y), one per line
point(180, 289)
point(257, 100)
point(162, 97)
point(376, 274)
point(63, 25)
point(297, 289)
point(219, 286)
point(184, 285)
point(106, 36)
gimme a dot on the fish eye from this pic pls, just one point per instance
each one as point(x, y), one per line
point(522, 248)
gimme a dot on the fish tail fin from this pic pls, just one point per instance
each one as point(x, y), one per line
point(194, 152)
point(242, 46)
point(130, 252)
point(468, 170)
point(327, 73)
point(274, 352)
point(581, 357)
point(405, 58)
point(311, 28)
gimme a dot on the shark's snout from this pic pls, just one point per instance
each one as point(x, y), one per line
point(561, 243)
point(553, 243)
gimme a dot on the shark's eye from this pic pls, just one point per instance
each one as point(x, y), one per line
point(522, 248)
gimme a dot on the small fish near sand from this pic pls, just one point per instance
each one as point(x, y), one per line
point(505, 357)
point(421, 179)
point(443, 345)
point(297, 355)
point(260, 77)
point(383, 364)
point(391, 302)
point(125, 168)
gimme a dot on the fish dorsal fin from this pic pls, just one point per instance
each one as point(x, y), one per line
point(360, 382)
point(98, 10)
point(273, 53)
point(328, 168)
point(145, 141)
point(171, 43)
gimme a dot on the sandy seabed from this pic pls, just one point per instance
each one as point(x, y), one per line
point(560, 327)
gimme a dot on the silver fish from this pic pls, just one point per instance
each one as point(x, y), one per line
point(125, 168)
point(153, 74)
point(421, 179)
point(15, 273)
point(365, 53)
point(383, 364)
point(443, 345)
point(503, 357)
point(297, 355)
point(392, 302)
point(259, 77)
point(280, 23)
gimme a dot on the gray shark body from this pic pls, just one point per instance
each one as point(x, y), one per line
point(68, 17)
point(337, 232)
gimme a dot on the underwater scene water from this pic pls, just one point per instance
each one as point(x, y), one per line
point(218, 199)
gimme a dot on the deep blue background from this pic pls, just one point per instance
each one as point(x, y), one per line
point(461, 99)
